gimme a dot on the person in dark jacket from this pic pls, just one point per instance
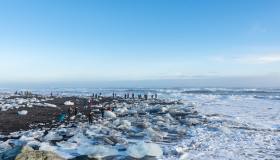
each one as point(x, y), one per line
point(76, 111)
point(102, 110)
point(90, 117)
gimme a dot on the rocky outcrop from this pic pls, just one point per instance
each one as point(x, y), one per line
point(28, 153)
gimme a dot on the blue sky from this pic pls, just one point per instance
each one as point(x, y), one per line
point(95, 40)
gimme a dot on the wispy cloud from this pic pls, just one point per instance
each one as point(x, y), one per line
point(249, 59)
point(259, 59)
point(258, 28)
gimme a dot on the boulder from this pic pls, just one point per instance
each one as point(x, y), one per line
point(28, 153)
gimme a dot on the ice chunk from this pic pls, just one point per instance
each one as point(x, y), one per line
point(49, 105)
point(125, 124)
point(143, 149)
point(23, 112)
point(53, 136)
point(184, 156)
point(121, 110)
point(4, 146)
point(109, 114)
point(154, 134)
point(67, 145)
point(69, 103)
point(97, 151)
point(47, 147)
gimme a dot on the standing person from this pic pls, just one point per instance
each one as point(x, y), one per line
point(152, 96)
point(155, 96)
point(90, 116)
point(69, 112)
point(61, 117)
point(114, 106)
point(76, 110)
point(132, 95)
point(124, 96)
point(146, 97)
point(102, 110)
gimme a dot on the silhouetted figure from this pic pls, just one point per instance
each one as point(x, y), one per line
point(146, 97)
point(132, 95)
point(102, 110)
point(76, 111)
point(90, 117)
point(69, 112)
point(139, 96)
point(96, 96)
point(127, 95)
point(155, 96)
point(124, 96)
point(51, 94)
point(152, 96)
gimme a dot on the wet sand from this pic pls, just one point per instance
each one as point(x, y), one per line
point(42, 116)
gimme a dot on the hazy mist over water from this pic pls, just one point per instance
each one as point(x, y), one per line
point(227, 82)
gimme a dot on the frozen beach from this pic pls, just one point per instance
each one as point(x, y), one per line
point(185, 123)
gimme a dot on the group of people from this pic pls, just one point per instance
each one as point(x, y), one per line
point(127, 96)
point(102, 109)
point(91, 108)
point(145, 96)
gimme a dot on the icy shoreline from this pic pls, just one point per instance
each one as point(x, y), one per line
point(140, 129)
point(227, 124)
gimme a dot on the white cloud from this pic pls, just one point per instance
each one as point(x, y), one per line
point(260, 59)
point(249, 59)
